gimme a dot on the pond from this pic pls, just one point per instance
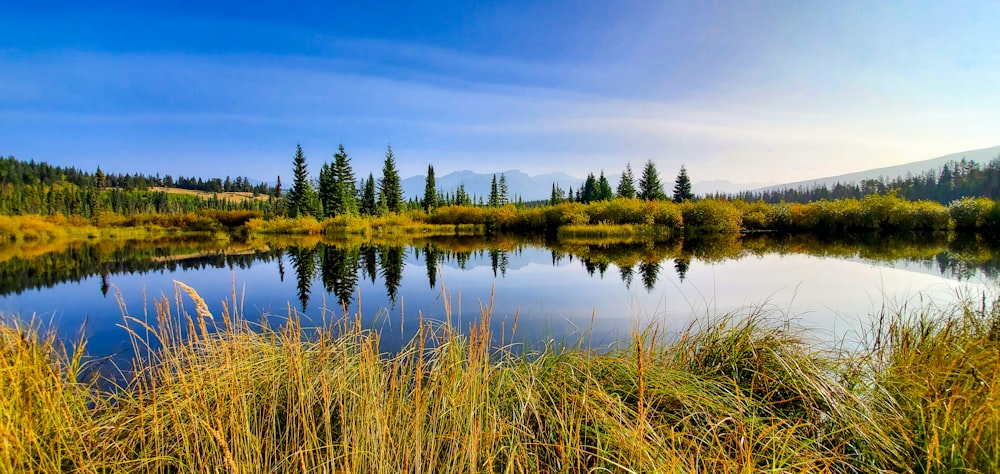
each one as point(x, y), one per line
point(562, 292)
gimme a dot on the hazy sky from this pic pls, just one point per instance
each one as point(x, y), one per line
point(746, 91)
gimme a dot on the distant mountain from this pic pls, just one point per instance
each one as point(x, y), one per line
point(981, 156)
point(529, 188)
point(719, 186)
point(533, 188)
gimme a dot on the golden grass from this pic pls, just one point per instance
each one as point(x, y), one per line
point(226, 196)
point(743, 392)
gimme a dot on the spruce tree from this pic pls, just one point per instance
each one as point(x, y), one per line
point(390, 188)
point(626, 187)
point(302, 198)
point(682, 187)
point(430, 191)
point(494, 194)
point(650, 188)
point(502, 190)
point(604, 192)
point(367, 207)
point(327, 190)
point(589, 190)
point(345, 195)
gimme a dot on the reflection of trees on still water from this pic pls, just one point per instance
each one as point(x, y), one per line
point(340, 267)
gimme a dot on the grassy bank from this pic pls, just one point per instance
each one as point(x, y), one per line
point(737, 393)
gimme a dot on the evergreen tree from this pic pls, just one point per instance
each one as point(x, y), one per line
point(430, 190)
point(302, 198)
point(345, 195)
point(588, 193)
point(650, 188)
point(390, 188)
point(367, 207)
point(557, 195)
point(682, 187)
point(327, 190)
point(99, 177)
point(604, 192)
point(494, 194)
point(626, 187)
point(502, 191)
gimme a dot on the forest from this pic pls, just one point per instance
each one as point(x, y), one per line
point(960, 196)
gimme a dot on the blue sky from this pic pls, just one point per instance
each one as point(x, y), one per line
point(753, 91)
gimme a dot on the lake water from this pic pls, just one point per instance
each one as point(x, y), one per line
point(557, 291)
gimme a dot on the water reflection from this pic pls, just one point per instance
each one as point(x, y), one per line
point(338, 267)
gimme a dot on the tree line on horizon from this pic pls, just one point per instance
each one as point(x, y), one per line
point(955, 180)
point(40, 188)
point(334, 192)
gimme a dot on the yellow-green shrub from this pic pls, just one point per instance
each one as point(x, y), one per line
point(711, 215)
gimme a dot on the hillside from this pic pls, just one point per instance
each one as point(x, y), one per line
point(981, 156)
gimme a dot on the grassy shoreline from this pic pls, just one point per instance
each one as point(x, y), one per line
point(744, 392)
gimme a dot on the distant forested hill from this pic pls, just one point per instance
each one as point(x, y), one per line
point(954, 179)
point(27, 187)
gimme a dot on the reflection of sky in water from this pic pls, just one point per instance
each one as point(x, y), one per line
point(834, 296)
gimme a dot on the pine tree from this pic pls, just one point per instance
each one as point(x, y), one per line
point(588, 193)
point(430, 191)
point(682, 187)
point(626, 187)
point(390, 189)
point(650, 188)
point(367, 207)
point(327, 190)
point(557, 195)
point(302, 198)
point(345, 200)
point(99, 177)
point(604, 192)
point(494, 194)
point(502, 191)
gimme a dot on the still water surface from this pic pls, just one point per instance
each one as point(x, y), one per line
point(556, 291)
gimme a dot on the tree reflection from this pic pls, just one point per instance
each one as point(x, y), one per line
point(339, 272)
point(626, 273)
point(499, 260)
point(681, 266)
point(391, 261)
point(649, 272)
point(304, 263)
point(431, 255)
point(369, 261)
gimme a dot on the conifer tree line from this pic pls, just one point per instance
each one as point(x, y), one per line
point(649, 187)
point(955, 180)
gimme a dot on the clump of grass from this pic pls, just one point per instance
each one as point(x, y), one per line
point(742, 392)
point(939, 367)
point(46, 409)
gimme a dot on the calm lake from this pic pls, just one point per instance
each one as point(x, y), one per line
point(556, 291)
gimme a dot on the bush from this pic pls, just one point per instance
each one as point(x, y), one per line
point(970, 213)
point(711, 215)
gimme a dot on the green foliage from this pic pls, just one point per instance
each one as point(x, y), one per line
point(337, 186)
point(390, 188)
point(367, 206)
point(971, 213)
point(711, 216)
point(430, 190)
point(682, 187)
point(302, 199)
point(650, 187)
point(626, 187)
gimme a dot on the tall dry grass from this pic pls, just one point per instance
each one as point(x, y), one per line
point(744, 392)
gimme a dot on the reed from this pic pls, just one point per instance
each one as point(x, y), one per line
point(741, 392)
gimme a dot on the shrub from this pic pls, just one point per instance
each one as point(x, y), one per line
point(970, 213)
